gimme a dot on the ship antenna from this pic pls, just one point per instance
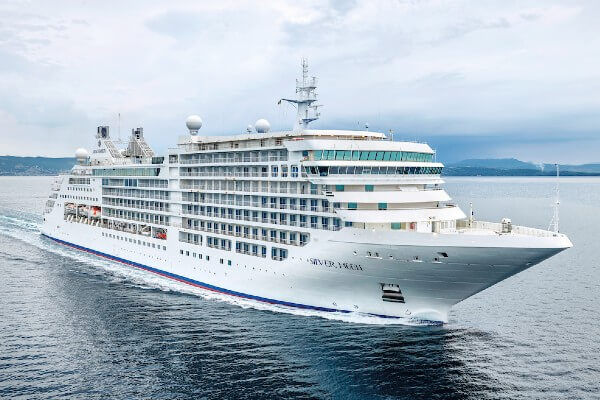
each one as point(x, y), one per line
point(119, 129)
point(555, 217)
point(305, 97)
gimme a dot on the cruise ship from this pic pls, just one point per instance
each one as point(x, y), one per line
point(331, 220)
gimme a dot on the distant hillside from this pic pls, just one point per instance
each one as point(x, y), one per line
point(10, 165)
point(514, 167)
point(494, 163)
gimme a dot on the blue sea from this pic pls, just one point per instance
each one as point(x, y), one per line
point(78, 327)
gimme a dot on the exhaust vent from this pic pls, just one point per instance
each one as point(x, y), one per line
point(391, 293)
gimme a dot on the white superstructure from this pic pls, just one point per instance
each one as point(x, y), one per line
point(332, 220)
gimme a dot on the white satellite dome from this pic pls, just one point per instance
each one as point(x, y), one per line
point(193, 123)
point(262, 126)
point(81, 153)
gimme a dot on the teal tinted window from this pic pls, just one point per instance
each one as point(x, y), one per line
point(355, 155)
point(396, 225)
point(364, 155)
point(387, 156)
point(352, 206)
point(339, 188)
point(379, 155)
point(347, 155)
point(368, 188)
point(331, 154)
point(318, 154)
point(382, 206)
point(372, 155)
point(339, 155)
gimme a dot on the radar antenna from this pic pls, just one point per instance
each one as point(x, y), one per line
point(306, 96)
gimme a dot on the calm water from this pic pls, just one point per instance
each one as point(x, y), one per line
point(75, 326)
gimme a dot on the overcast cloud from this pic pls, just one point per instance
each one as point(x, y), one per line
point(474, 78)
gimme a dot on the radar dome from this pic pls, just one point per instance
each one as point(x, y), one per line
point(81, 153)
point(193, 123)
point(262, 126)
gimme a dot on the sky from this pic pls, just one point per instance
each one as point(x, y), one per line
point(474, 79)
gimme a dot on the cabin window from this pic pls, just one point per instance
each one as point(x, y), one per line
point(382, 206)
point(368, 188)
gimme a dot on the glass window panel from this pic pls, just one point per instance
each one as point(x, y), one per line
point(347, 155)
point(318, 154)
point(364, 155)
point(387, 156)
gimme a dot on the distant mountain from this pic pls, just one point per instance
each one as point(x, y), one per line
point(514, 167)
point(10, 165)
point(495, 163)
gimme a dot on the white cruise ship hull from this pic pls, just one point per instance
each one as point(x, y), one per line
point(332, 273)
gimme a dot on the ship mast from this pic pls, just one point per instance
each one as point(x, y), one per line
point(306, 96)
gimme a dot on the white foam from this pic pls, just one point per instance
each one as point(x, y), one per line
point(28, 231)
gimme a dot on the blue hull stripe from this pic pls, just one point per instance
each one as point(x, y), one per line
point(202, 285)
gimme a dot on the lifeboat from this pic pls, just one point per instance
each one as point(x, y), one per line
point(95, 212)
point(145, 230)
point(70, 208)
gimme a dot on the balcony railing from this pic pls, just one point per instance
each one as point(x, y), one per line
point(217, 160)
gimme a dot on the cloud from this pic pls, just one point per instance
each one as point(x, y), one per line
point(495, 70)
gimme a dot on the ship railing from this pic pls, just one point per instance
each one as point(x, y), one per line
point(136, 207)
point(188, 186)
point(196, 242)
point(250, 253)
point(219, 160)
point(129, 196)
point(302, 224)
point(226, 174)
point(498, 228)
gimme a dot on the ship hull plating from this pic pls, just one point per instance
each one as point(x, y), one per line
point(344, 271)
